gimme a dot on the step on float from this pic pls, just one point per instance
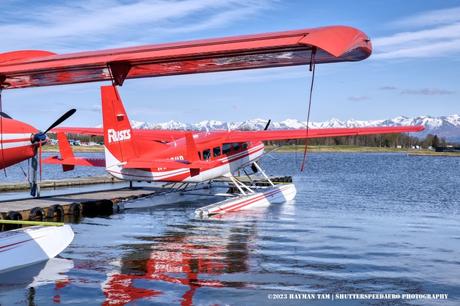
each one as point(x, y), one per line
point(30, 245)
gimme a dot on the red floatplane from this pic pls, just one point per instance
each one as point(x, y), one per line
point(192, 157)
point(179, 156)
point(32, 68)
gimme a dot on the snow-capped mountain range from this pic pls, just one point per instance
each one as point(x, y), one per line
point(443, 126)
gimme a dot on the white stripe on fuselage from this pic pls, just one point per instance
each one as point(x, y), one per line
point(9, 136)
point(233, 163)
point(11, 145)
point(19, 137)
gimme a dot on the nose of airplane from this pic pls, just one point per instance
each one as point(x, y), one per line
point(11, 126)
point(15, 141)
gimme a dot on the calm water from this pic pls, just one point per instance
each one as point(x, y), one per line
point(361, 223)
point(51, 172)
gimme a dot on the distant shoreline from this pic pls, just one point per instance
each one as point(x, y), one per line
point(359, 149)
point(297, 148)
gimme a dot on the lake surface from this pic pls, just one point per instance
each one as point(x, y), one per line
point(361, 223)
point(18, 172)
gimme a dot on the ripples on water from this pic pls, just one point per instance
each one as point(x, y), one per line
point(361, 223)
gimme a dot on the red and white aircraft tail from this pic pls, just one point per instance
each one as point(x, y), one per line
point(119, 140)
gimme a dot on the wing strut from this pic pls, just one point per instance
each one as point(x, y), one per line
point(312, 69)
point(118, 72)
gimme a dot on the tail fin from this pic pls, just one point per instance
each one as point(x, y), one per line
point(65, 150)
point(118, 134)
point(68, 159)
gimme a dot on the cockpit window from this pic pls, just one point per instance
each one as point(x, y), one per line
point(226, 148)
point(206, 154)
point(216, 151)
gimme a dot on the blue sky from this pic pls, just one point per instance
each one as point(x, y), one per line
point(414, 69)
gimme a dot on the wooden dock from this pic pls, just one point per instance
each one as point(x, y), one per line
point(87, 204)
point(92, 203)
point(61, 183)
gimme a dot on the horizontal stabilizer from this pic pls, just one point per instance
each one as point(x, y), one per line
point(70, 163)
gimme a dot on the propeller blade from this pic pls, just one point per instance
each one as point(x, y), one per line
point(61, 119)
point(5, 115)
point(33, 182)
point(268, 124)
point(40, 160)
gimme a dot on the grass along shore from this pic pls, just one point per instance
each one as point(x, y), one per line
point(358, 149)
point(81, 149)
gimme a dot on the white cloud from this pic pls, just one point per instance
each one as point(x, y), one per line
point(358, 98)
point(435, 17)
point(442, 38)
point(427, 92)
point(78, 25)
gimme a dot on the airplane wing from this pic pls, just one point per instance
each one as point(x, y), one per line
point(156, 135)
point(242, 136)
point(31, 68)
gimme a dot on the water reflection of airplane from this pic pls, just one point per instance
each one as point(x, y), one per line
point(187, 255)
point(30, 278)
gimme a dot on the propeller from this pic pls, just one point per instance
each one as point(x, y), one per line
point(41, 136)
point(39, 139)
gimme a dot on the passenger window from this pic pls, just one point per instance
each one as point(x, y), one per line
point(245, 146)
point(236, 146)
point(206, 154)
point(226, 148)
point(216, 151)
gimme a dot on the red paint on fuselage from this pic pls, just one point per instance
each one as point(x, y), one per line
point(15, 142)
point(213, 154)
